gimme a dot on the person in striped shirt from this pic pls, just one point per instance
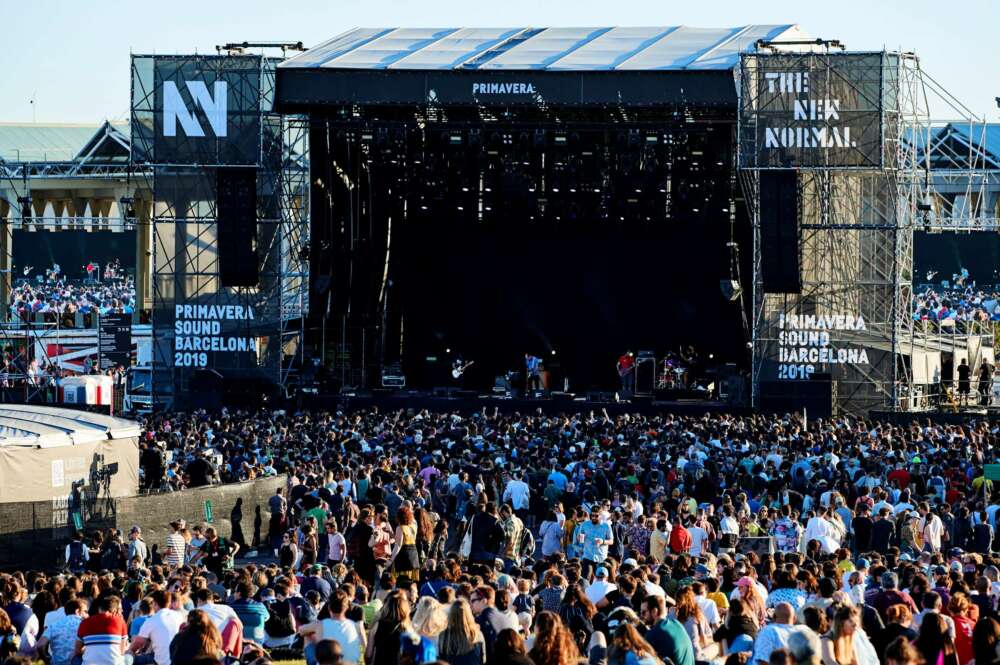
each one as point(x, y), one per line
point(173, 556)
point(102, 637)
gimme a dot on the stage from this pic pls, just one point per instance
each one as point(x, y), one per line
point(471, 402)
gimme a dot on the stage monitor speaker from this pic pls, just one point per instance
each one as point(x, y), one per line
point(779, 221)
point(236, 217)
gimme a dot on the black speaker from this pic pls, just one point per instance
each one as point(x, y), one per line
point(815, 394)
point(236, 219)
point(779, 222)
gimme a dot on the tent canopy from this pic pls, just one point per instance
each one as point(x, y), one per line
point(50, 427)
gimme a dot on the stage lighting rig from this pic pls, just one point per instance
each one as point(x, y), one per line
point(236, 48)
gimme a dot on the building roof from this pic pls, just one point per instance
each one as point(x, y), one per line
point(980, 137)
point(46, 426)
point(959, 144)
point(56, 142)
point(666, 48)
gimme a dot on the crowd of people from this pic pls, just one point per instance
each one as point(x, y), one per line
point(956, 300)
point(53, 296)
point(533, 539)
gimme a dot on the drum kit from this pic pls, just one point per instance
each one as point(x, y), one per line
point(673, 374)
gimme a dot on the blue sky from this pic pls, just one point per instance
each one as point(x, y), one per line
point(73, 56)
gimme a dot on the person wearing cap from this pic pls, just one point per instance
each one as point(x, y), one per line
point(600, 587)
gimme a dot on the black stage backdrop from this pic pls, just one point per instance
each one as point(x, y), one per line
point(587, 290)
point(72, 250)
point(481, 278)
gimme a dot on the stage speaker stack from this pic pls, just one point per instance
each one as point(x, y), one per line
point(779, 221)
point(236, 219)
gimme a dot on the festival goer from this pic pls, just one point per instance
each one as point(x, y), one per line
point(934, 643)
point(461, 642)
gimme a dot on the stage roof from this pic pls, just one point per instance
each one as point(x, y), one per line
point(662, 48)
point(522, 66)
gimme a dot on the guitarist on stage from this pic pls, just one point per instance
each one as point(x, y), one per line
point(458, 367)
point(626, 372)
point(532, 372)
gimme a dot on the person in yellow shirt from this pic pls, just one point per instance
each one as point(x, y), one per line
point(712, 592)
point(977, 485)
point(659, 540)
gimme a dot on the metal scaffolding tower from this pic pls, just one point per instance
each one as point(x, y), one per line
point(859, 201)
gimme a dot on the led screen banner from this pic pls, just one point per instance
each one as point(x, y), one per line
point(812, 110)
point(197, 110)
point(216, 331)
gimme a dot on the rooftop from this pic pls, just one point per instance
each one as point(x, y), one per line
point(664, 48)
point(45, 426)
point(55, 142)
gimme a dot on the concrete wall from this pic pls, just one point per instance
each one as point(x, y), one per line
point(34, 534)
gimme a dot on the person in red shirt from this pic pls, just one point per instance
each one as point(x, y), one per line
point(626, 372)
point(958, 608)
point(680, 539)
point(102, 637)
point(900, 475)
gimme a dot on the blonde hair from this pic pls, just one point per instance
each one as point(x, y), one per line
point(843, 645)
point(462, 632)
point(430, 617)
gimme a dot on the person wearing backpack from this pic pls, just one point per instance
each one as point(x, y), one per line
point(113, 552)
point(216, 553)
point(514, 533)
point(77, 554)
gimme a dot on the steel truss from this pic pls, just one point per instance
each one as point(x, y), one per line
point(855, 233)
point(183, 233)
